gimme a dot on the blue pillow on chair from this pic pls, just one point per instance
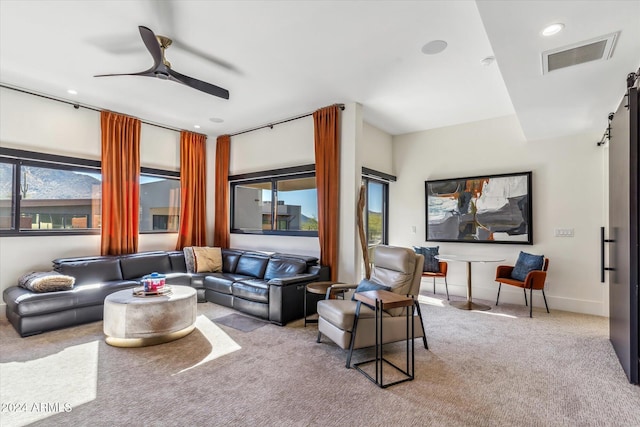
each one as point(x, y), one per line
point(526, 263)
point(368, 285)
point(431, 264)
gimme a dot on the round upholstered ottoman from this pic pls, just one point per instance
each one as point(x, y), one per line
point(135, 321)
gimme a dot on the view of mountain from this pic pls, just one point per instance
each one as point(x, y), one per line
point(43, 183)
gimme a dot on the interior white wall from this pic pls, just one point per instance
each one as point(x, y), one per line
point(377, 153)
point(351, 152)
point(568, 192)
point(285, 145)
point(33, 123)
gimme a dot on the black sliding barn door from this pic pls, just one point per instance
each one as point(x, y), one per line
point(623, 231)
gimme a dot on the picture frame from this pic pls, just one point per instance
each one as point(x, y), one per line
point(480, 209)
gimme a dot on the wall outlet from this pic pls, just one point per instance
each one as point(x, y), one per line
point(563, 232)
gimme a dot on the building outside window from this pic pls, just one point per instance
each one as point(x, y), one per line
point(41, 192)
point(281, 204)
point(159, 203)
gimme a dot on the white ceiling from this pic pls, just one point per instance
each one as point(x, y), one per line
point(280, 59)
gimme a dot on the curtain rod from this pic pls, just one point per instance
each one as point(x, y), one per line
point(271, 125)
point(77, 105)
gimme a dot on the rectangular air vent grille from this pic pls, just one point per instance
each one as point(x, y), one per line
point(599, 49)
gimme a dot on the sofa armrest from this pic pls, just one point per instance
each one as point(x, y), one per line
point(293, 280)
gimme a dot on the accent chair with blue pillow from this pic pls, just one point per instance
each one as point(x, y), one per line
point(530, 272)
point(399, 270)
point(432, 266)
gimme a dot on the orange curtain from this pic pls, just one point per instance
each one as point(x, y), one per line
point(327, 151)
point(221, 227)
point(193, 186)
point(120, 183)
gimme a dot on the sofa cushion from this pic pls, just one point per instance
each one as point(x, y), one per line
point(341, 313)
point(178, 278)
point(308, 259)
point(230, 259)
point(526, 262)
point(92, 271)
point(251, 289)
point(141, 264)
point(178, 264)
point(278, 267)
point(46, 281)
point(252, 265)
point(207, 259)
point(219, 282)
point(26, 303)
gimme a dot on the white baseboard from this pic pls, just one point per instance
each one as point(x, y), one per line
point(512, 295)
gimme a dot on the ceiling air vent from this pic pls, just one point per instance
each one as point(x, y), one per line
point(598, 49)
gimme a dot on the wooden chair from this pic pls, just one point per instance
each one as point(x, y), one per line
point(534, 280)
point(442, 273)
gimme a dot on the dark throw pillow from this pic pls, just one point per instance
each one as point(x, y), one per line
point(431, 264)
point(368, 285)
point(526, 263)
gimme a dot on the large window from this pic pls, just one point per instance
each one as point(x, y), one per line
point(275, 202)
point(42, 193)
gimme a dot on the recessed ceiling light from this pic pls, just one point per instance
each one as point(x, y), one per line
point(434, 46)
point(216, 120)
point(72, 92)
point(552, 29)
point(196, 126)
point(488, 60)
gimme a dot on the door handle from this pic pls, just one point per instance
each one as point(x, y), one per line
point(602, 242)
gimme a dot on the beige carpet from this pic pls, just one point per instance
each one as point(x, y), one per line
point(495, 368)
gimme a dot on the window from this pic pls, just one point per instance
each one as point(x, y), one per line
point(282, 201)
point(159, 203)
point(43, 193)
point(7, 201)
point(377, 206)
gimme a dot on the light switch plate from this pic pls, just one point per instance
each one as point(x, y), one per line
point(564, 232)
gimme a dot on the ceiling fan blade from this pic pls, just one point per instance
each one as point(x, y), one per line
point(147, 73)
point(198, 84)
point(151, 42)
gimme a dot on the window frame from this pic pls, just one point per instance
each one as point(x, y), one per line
point(273, 176)
point(370, 175)
point(20, 158)
point(161, 173)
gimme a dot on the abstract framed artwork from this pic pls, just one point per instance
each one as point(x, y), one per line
point(480, 209)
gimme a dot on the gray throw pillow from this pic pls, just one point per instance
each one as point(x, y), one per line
point(526, 263)
point(189, 259)
point(46, 281)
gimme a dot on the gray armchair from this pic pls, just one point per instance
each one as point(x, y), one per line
point(395, 267)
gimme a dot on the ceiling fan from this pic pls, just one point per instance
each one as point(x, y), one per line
point(161, 69)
